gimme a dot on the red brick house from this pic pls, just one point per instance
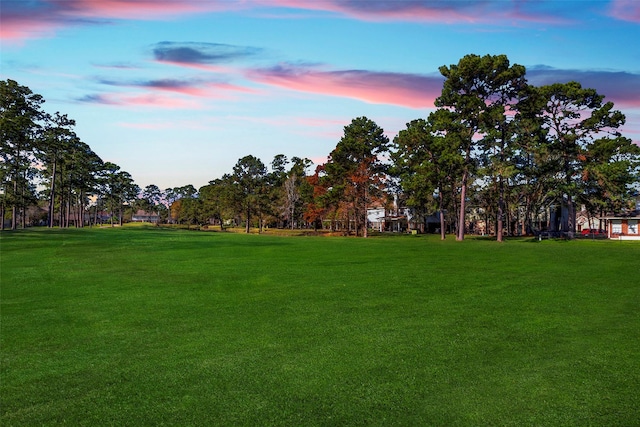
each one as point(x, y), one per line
point(624, 227)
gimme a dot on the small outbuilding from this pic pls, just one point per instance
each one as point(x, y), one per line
point(623, 227)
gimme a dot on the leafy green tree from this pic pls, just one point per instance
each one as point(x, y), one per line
point(20, 112)
point(152, 200)
point(573, 117)
point(85, 166)
point(534, 177)
point(249, 175)
point(191, 211)
point(508, 85)
point(70, 170)
point(355, 168)
point(476, 90)
point(213, 200)
point(287, 189)
point(427, 160)
point(170, 197)
point(55, 146)
point(275, 188)
point(611, 167)
point(299, 192)
point(175, 194)
point(120, 189)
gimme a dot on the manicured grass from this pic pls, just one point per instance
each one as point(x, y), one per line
point(147, 326)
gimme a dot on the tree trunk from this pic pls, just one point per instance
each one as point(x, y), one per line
point(61, 211)
point(365, 224)
point(52, 197)
point(463, 192)
point(461, 215)
point(572, 215)
point(500, 222)
point(14, 208)
point(68, 214)
point(443, 234)
point(81, 208)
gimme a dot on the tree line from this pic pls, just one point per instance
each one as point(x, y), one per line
point(496, 147)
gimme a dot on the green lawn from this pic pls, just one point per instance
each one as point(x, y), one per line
point(145, 326)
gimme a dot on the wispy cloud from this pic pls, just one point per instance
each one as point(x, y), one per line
point(149, 100)
point(35, 19)
point(625, 10)
point(376, 87)
point(117, 66)
point(404, 89)
point(208, 56)
point(407, 90)
point(623, 88)
point(23, 19)
point(191, 87)
point(490, 11)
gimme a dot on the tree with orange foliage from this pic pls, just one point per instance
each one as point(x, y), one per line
point(355, 169)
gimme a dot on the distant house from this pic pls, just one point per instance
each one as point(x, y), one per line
point(144, 216)
point(375, 216)
point(624, 227)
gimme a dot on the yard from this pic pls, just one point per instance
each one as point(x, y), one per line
point(143, 326)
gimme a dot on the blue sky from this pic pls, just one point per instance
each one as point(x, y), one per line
point(176, 91)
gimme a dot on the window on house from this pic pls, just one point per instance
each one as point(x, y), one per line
point(616, 226)
point(633, 226)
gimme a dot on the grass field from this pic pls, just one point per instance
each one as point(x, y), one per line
point(146, 326)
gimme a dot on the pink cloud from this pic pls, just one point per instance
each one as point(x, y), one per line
point(625, 10)
point(428, 10)
point(407, 90)
point(141, 100)
point(141, 9)
point(201, 67)
point(379, 10)
point(208, 90)
point(623, 88)
point(42, 18)
point(188, 87)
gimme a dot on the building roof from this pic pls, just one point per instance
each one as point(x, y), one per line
point(626, 215)
point(141, 212)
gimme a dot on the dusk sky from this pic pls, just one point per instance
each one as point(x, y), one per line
point(176, 91)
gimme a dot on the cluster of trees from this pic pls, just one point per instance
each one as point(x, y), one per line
point(251, 195)
point(513, 149)
point(44, 163)
point(495, 144)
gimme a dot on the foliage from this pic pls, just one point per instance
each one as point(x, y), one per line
point(20, 111)
point(427, 160)
point(496, 148)
point(355, 171)
point(42, 150)
point(479, 91)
